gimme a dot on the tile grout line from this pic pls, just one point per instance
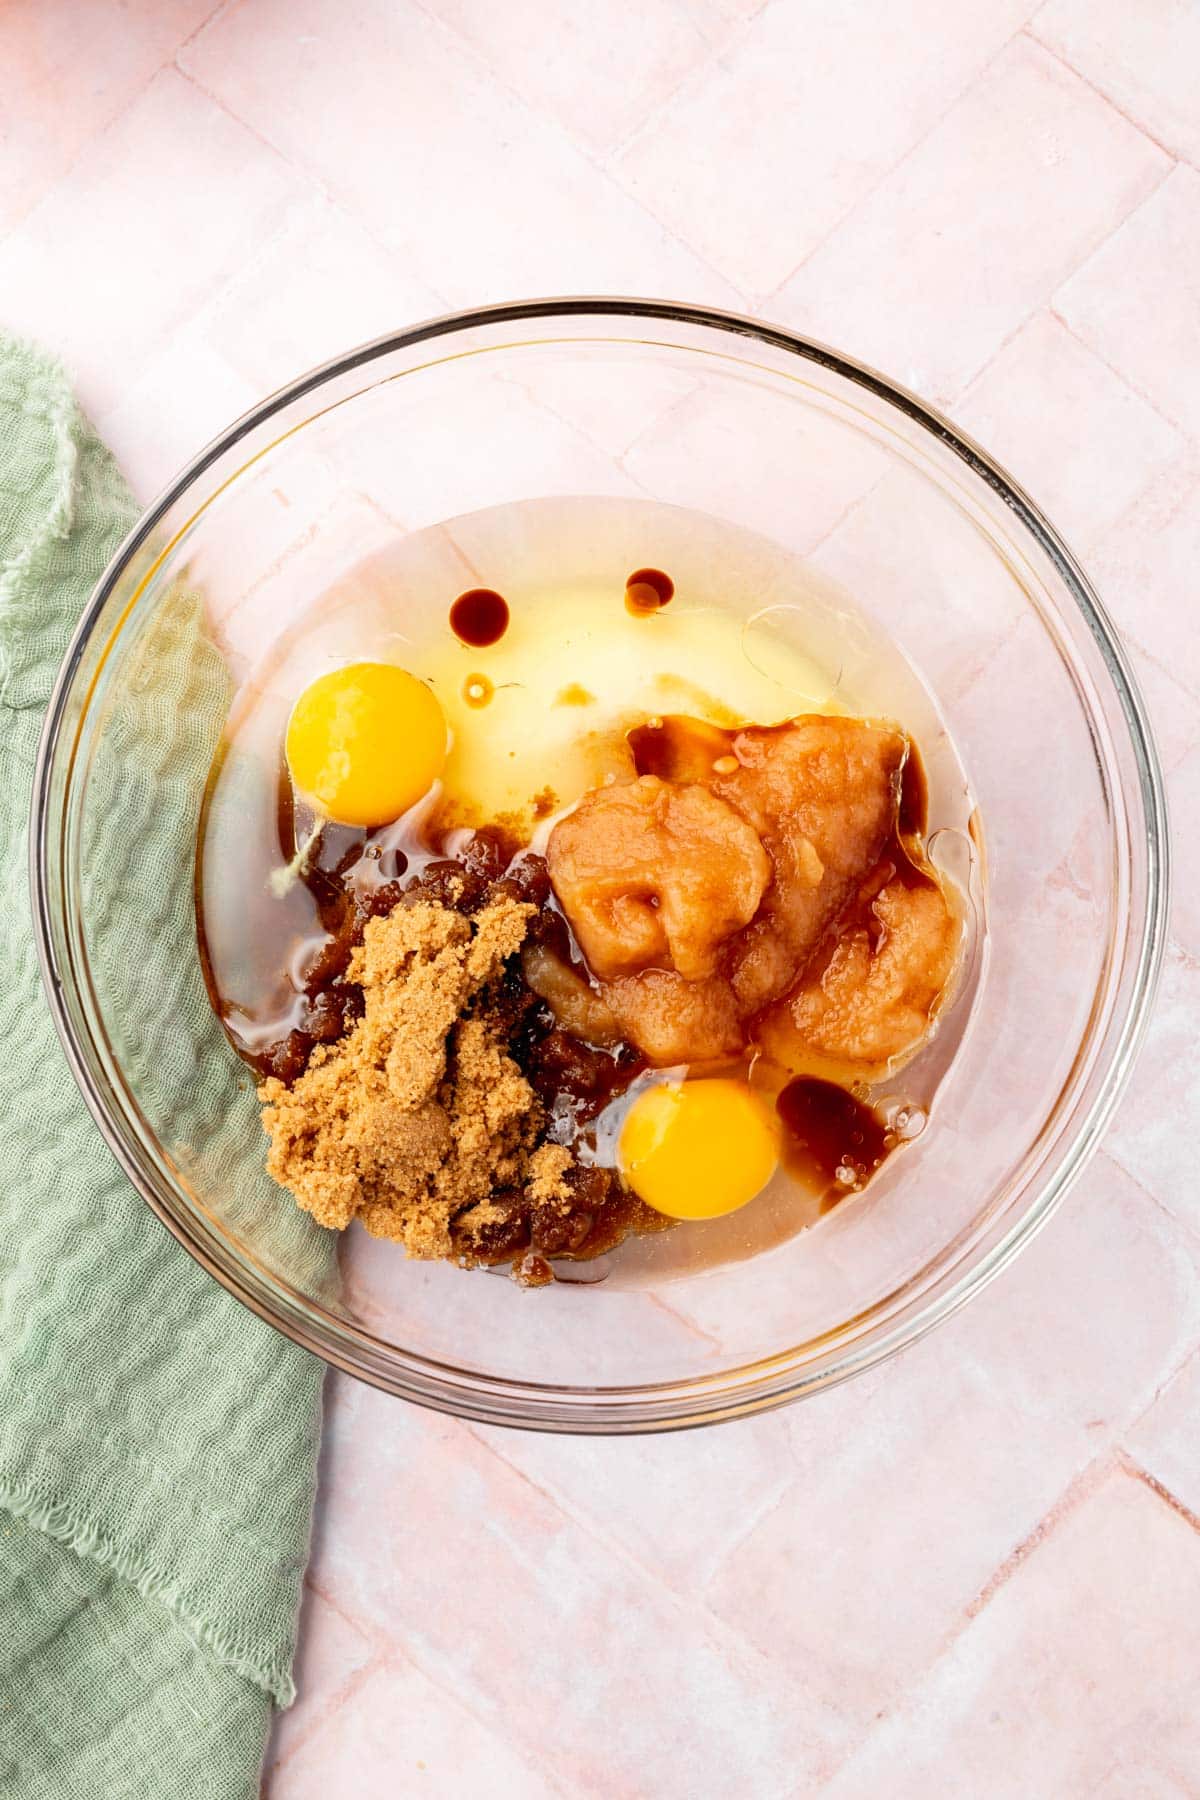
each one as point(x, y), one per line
point(1137, 1472)
point(486, 71)
point(761, 297)
point(103, 130)
point(390, 1658)
point(981, 74)
point(735, 29)
point(1129, 635)
point(1006, 342)
point(1047, 305)
point(1082, 1485)
point(1080, 1488)
point(1191, 1356)
point(220, 7)
point(1048, 301)
point(772, 1504)
point(646, 1572)
point(391, 1654)
point(689, 1325)
point(847, 512)
point(562, 1505)
point(736, 33)
point(317, 191)
point(657, 424)
point(1130, 381)
point(337, 1701)
point(1191, 1232)
point(1028, 30)
point(369, 1632)
point(1048, 308)
point(1106, 1462)
point(314, 182)
point(398, 1656)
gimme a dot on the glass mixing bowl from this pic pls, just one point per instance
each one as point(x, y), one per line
point(788, 445)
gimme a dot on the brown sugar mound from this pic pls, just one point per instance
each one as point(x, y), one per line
point(419, 1118)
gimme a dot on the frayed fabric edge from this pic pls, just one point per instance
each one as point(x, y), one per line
point(60, 1522)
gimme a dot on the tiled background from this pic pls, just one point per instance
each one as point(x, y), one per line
point(977, 1570)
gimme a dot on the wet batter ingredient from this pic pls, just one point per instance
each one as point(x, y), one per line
point(762, 886)
point(834, 1142)
point(496, 1056)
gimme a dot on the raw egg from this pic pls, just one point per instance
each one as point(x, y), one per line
point(364, 743)
point(697, 1149)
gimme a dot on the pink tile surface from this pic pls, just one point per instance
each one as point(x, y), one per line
point(905, 1501)
point(568, 61)
point(70, 71)
point(1151, 1136)
point(770, 145)
point(403, 1734)
point(167, 204)
point(1067, 463)
point(1143, 57)
point(976, 1570)
point(1165, 1438)
point(334, 1660)
point(497, 1591)
point(1143, 564)
point(1136, 301)
point(482, 196)
point(1070, 1678)
point(945, 258)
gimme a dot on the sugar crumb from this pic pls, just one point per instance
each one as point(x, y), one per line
point(419, 1122)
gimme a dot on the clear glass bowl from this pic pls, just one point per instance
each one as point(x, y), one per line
point(886, 503)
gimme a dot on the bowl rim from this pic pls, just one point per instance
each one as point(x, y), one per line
point(657, 1406)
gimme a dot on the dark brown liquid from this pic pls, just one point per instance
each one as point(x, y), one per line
point(913, 810)
point(679, 748)
point(648, 591)
point(832, 1141)
point(479, 618)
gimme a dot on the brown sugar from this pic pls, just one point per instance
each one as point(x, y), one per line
point(448, 1112)
point(418, 1117)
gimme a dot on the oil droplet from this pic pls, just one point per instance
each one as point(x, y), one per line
point(767, 638)
point(908, 1121)
point(477, 690)
point(479, 617)
point(952, 853)
point(648, 591)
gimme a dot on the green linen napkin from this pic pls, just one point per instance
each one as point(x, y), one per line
point(157, 1442)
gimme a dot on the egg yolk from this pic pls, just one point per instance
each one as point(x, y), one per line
point(697, 1149)
point(364, 743)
